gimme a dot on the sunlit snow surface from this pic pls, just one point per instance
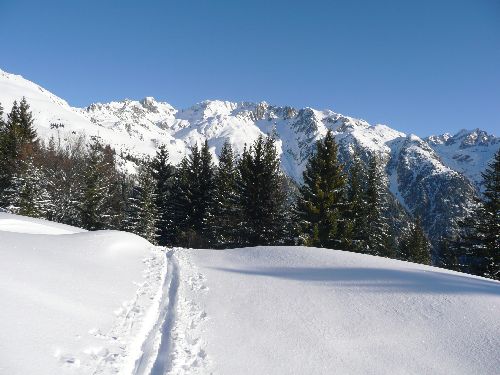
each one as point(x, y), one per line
point(74, 302)
point(108, 302)
point(294, 310)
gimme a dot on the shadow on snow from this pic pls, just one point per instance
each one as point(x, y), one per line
point(380, 279)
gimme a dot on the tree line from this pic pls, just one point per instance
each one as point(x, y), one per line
point(244, 200)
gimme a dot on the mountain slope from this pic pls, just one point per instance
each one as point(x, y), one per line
point(434, 177)
point(467, 152)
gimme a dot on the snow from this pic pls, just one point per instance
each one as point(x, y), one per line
point(468, 151)
point(74, 302)
point(108, 302)
point(137, 127)
point(23, 224)
point(285, 310)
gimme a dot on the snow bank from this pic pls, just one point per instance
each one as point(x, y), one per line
point(108, 302)
point(76, 302)
point(294, 310)
point(23, 224)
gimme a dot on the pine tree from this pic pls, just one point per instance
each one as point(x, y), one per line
point(415, 247)
point(4, 176)
point(226, 205)
point(97, 190)
point(142, 212)
point(2, 121)
point(447, 255)
point(357, 223)
point(378, 236)
point(206, 180)
point(261, 194)
point(322, 200)
point(28, 195)
point(27, 132)
point(179, 204)
point(193, 197)
point(17, 143)
point(490, 217)
point(479, 244)
point(163, 172)
point(63, 170)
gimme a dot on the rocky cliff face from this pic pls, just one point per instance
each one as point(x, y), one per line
point(434, 178)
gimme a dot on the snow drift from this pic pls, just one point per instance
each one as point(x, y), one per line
point(108, 302)
point(73, 301)
point(295, 310)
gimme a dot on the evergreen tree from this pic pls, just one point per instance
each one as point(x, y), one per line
point(17, 143)
point(63, 170)
point(142, 212)
point(97, 190)
point(261, 194)
point(193, 195)
point(447, 255)
point(163, 172)
point(226, 204)
point(27, 133)
point(355, 239)
point(479, 245)
point(378, 236)
point(28, 195)
point(2, 121)
point(322, 197)
point(490, 218)
point(179, 203)
point(206, 181)
point(414, 246)
point(4, 176)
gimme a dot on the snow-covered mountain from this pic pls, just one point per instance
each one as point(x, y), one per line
point(433, 177)
point(468, 151)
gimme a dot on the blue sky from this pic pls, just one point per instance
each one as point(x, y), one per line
point(424, 67)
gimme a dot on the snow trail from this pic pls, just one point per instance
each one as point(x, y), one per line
point(174, 345)
point(155, 348)
point(162, 363)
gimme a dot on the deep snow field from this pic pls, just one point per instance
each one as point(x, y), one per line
point(108, 302)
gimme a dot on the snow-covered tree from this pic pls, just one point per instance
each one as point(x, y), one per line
point(18, 140)
point(378, 232)
point(142, 213)
point(95, 197)
point(27, 194)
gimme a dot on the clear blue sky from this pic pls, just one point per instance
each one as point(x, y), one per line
point(424, 66)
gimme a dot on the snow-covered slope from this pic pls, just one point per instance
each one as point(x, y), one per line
point(74, 302)
point(107, 302)
point(416, 168)
point(294, 310)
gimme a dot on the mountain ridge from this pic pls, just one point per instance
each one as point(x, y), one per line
point(434, 177)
